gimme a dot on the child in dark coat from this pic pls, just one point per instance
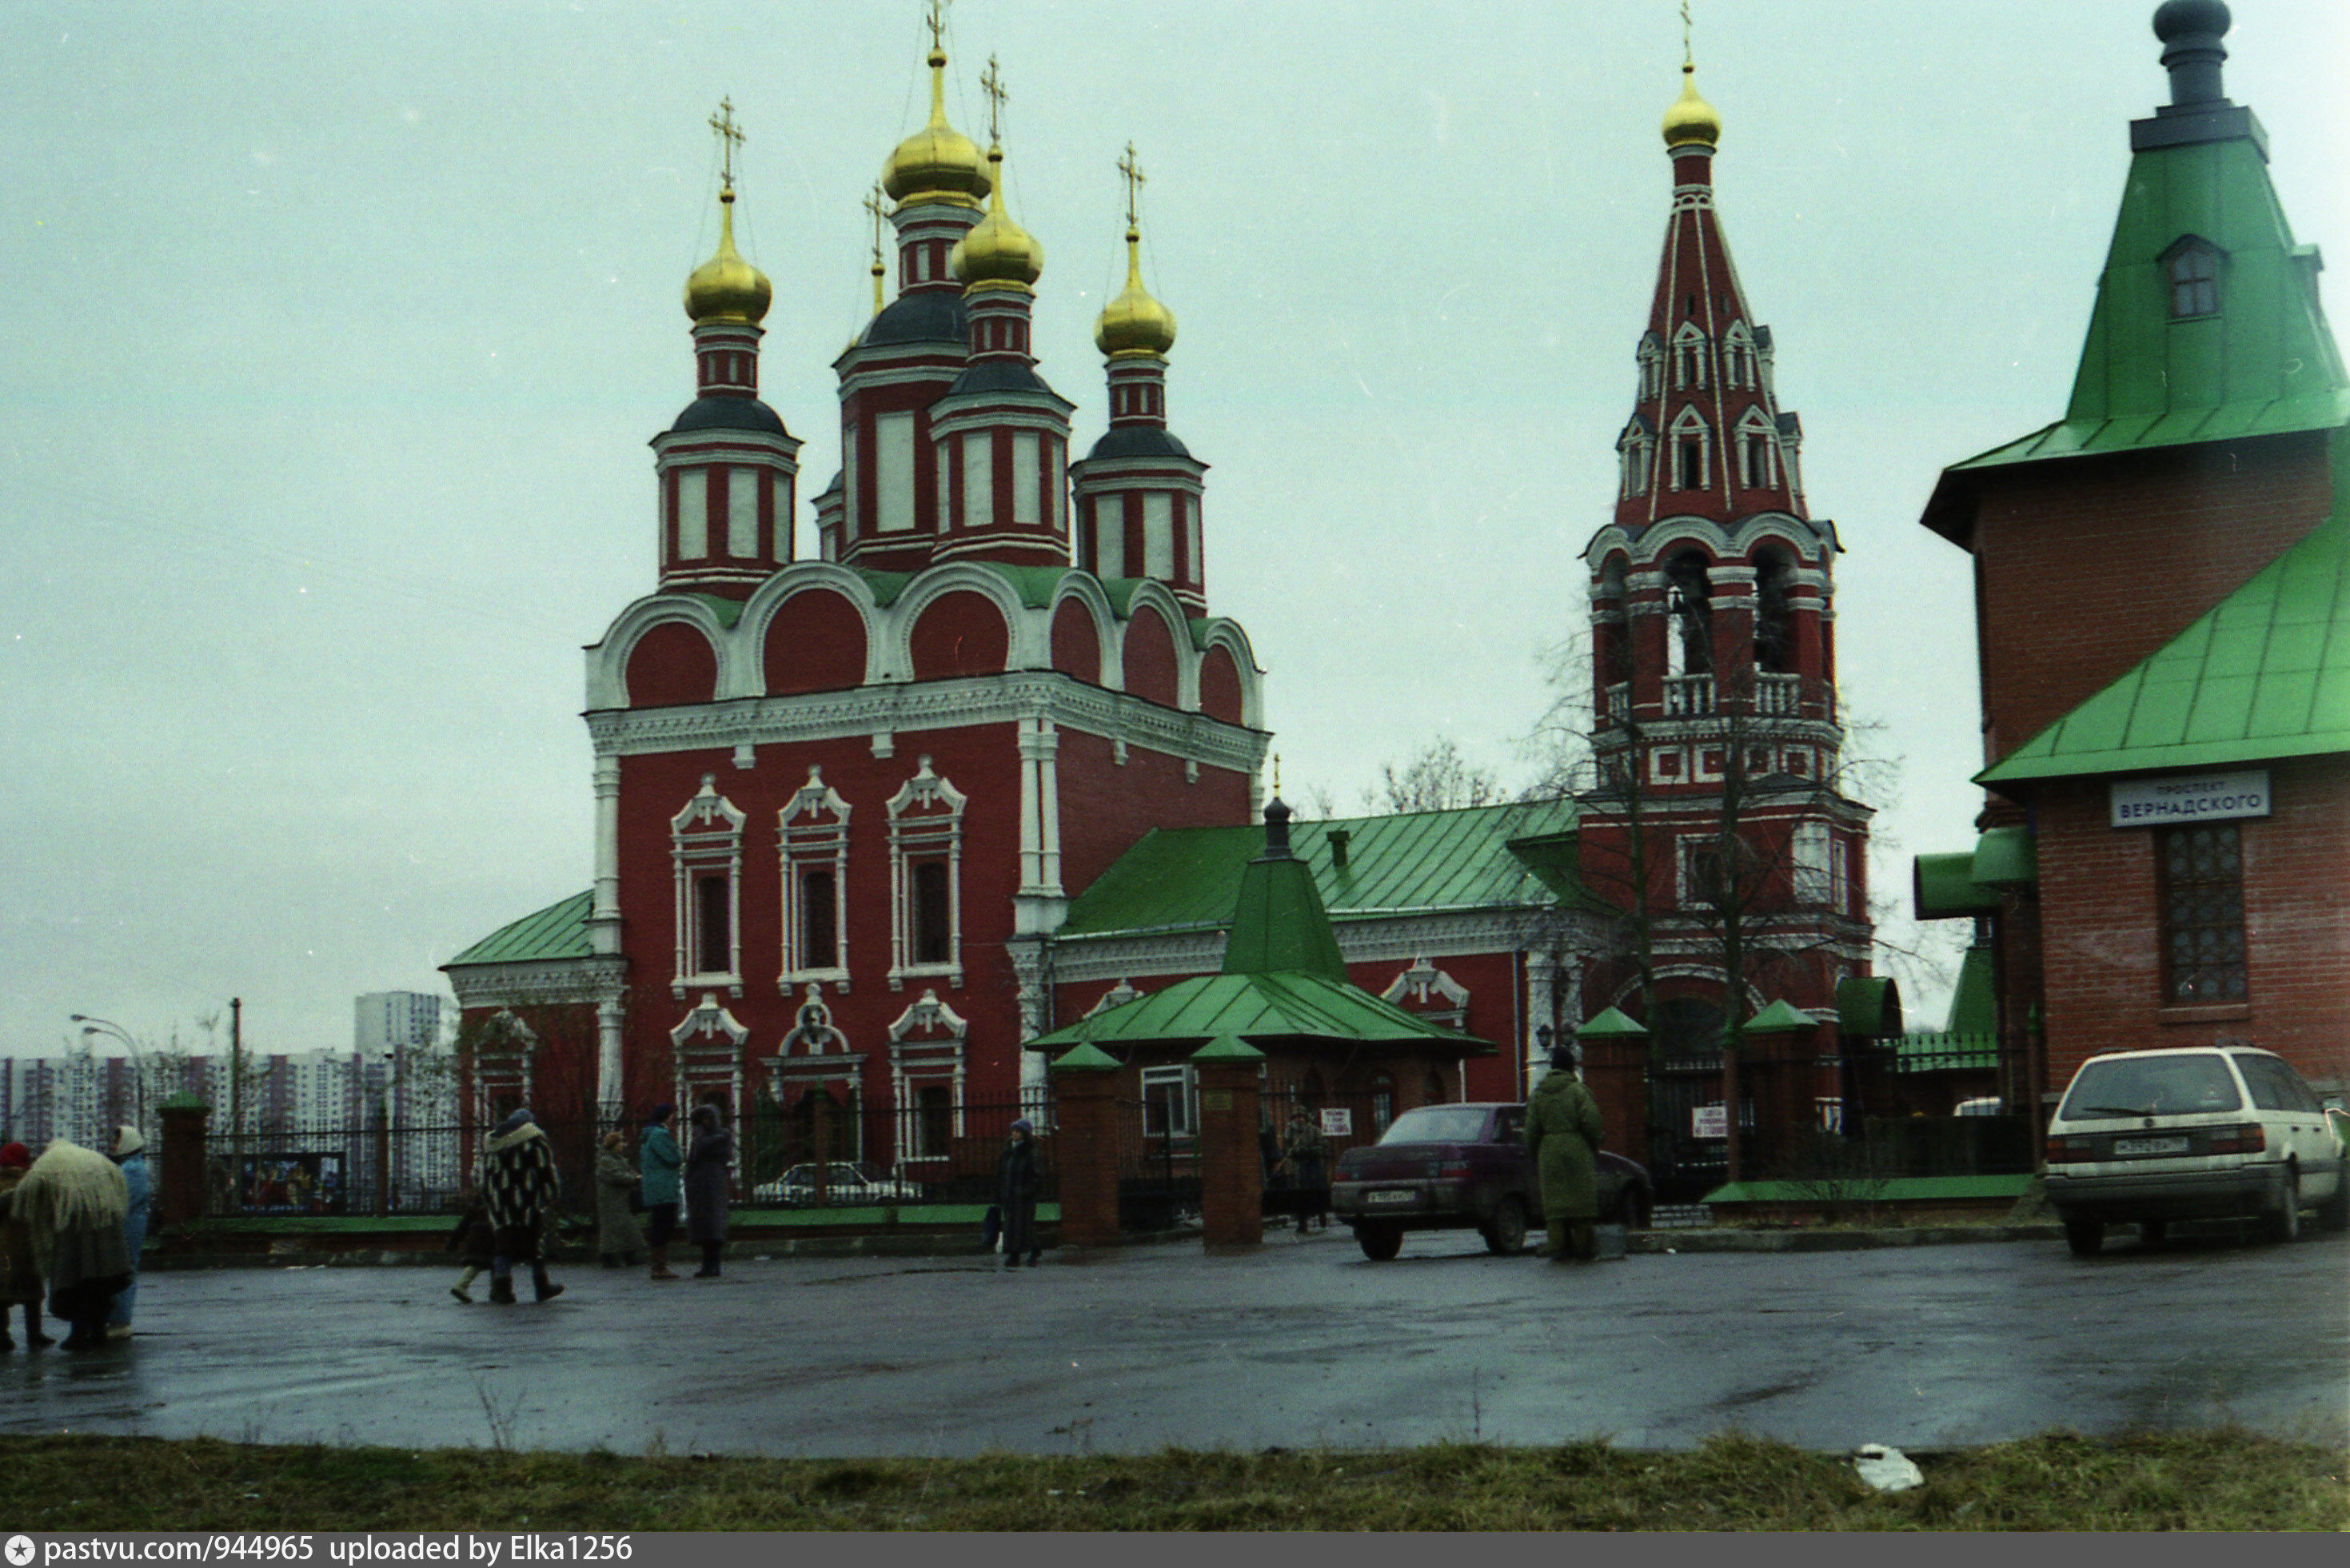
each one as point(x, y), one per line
point(476, 1239)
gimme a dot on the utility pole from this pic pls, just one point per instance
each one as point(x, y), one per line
point(236, 1091)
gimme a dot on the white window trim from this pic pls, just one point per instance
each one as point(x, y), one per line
point(1187, 1105)
point(707, 835)
point(1691, 423)
point(937, 829)
point(936, 1057)
point(1753, 425)
point(808, 842)
point(1688, 356)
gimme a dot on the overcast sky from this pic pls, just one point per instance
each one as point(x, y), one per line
point(335, 334)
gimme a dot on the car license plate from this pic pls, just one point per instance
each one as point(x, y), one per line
point(2125, 1145)
point(1390, 1197)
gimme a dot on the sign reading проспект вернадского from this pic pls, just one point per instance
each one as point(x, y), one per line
point(2192, 797)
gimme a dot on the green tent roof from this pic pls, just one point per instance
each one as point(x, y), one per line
point(1779, 1017)
point(1278, 923)
point(2263, 363)
point(557, 932)
point(1189, 878)
point(1974, 1005)
point(1259, 1008)
point(2264, 674)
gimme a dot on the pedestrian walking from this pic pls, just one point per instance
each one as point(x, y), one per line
point(1307, 1154)
point(474, 1239)
point(709, 1167)
point(20, 1273)
point(519, 1184)
point(1562, 1139)
point(1017, 1181)
point(658, 1162)
point(72, 1201)
point(131, 1155)
point(617, 1239)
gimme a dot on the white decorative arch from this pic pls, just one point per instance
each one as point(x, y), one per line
point(1427, 990)
point(1689, 356)
point(705, 839)
point(925, 823)
point(804, 576)
point(1228, 635)
point(1157, 596)
point(607, 661)
point(1088, 590)
point(933, 585)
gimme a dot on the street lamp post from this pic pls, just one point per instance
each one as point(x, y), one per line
point(94, 1025)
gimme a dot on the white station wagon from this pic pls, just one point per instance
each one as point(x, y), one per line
point(2191, 1133)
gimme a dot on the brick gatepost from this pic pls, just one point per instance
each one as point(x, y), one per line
point(1231, 1167)
point(1616, 1070)
point(180, 1183)
point(1084, 1139)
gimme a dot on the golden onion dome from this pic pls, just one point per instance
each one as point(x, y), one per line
point(937, 163)
point(1134, 323)
point(726, 288)
point(1692, 122)
point(996, 250)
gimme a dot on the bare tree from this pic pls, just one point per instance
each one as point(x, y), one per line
point(1436, 777)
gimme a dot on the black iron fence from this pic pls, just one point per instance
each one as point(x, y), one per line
point(850, 1155)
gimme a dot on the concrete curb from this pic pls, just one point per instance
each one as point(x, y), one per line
point(1643, 1242)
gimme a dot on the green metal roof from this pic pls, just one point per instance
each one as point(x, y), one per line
point(557, 932)
point(2264, 674)
point(1974, 1005)
point(1278, 923)
point(1259, 1008)
point(2263, 363)
point(1189, 878)
point(1868, 1007)
point(1779, 1017)
point(1944, 887)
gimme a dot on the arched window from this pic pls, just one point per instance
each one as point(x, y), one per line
point(1688, 635)
point(1774, 636)
point(706, 857)
point(1758, 451)
point(2192, 266)
point(1691, 451)
point(1636, 448)
point(1689, 356)
point(813, 829)
point(926, 878)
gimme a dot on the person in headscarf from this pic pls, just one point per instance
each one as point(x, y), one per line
point(618, 1239)
point(131, 1155)
point(20, 1273)
point(659, 1161)
point(518, 1180)
point(73, 1201)
point(708, 1167)
point(1017, 1181)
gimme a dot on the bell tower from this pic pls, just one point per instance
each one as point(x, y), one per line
point(1716, 819)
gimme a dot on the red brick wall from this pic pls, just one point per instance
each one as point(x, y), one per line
point(2084, 567)
point(673, 663)
point(2102, 928)
point(962, 633)
point(815, 643)
point(1106, 807)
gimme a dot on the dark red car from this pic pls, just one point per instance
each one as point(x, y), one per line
point(1463, 1167)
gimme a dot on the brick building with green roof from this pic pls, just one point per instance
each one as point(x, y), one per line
point(2163, 609)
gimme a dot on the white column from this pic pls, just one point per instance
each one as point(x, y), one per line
point(610, 1019)
point(604, 914)
point(1542, 992)
point(1049, 802)
point(1032, 833)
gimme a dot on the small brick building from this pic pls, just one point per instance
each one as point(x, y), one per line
point(2162, 584)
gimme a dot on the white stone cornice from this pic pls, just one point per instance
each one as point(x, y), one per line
point(900, 707)
point(600, 978)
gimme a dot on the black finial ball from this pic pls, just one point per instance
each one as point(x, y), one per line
point(2178, 19)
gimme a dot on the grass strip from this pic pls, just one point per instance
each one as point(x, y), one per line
point(2220, 1479)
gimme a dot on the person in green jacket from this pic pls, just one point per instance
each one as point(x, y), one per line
point(1562, 1137)
point(658, 1162)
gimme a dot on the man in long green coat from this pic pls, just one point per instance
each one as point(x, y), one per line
point(1563, 1137)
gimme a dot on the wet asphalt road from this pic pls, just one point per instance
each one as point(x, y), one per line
point(1302, 1343)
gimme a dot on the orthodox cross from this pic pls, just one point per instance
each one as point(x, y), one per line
point(873, 205)
point(991, 84)
point(1134, 182)
point(1687, 57)
point(730, 135)
point(938, 22)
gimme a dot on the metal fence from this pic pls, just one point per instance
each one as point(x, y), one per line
point(831, 1156)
